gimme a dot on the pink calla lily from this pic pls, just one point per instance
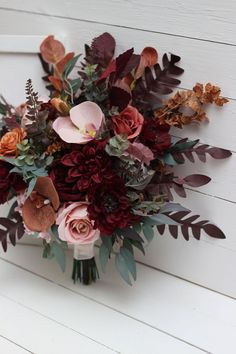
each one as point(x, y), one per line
point(82, 125)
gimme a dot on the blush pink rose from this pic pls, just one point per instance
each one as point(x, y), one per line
point(128, 122)
point(74, 225)
point(82, 125)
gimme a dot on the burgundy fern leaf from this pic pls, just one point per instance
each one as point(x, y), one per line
point(187, 224)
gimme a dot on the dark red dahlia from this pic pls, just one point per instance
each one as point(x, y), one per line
point(52, 112)
point(110, 207)
point(155, 136)
point(8, 181)
point(80, 170)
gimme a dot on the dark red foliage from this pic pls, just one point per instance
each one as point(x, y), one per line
point(52, 112)
point(110, 208)
point(101, 51)
point(80, 170)
point(155, 136)
point(8, 181)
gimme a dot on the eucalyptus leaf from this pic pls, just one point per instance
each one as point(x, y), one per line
point(169, 159)
point(148, 232)
point(31, 186)
point(59, 254)
point(130, 262)
point(159, 219)
point(70, 66)
point(103, 256)
point(122, 268)
point(170, 207)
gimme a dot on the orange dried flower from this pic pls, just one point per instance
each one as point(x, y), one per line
point(9, 141)
point(186, 107)
point(39, 209)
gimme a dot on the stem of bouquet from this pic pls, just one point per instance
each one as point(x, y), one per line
point(84, 264)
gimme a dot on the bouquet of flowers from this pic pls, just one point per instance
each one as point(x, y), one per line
point(95, 160)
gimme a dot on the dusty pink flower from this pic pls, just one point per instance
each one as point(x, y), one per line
point(82, 125)
point(75, 226)
point(128, 122)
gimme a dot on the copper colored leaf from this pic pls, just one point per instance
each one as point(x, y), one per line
point(62, 63)
point(56, 82)
point(52, 50)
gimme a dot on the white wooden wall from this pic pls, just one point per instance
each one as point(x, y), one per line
point(203, 34)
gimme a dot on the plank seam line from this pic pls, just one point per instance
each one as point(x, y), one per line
point(18, 345)
point(210, 195)
point(55, 321)
point(97, 302)
point(114, 25)
point(143, 264)
point(186, 280)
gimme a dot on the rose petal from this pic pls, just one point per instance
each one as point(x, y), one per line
point(86, 113)
point(68, 132)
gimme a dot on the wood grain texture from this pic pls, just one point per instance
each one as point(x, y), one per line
point(9, 347)
point(203, 61)
point(68, 312)
point(210, 20)
point(157, 302)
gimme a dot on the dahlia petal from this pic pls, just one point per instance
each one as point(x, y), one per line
point(86, 114)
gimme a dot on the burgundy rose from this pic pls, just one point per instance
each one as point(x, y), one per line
point(9, 180)
point(80, 170)
point(155, 136)
point(109, 207)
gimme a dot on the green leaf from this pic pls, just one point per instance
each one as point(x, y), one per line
point(170, 207)
point(103, 256)
point(148, 232)
point(159, 219)
point(31, 186)
point(59, 254)
point(169, 160)
point(130, 262)
point(122, 268)
point(107, 240)
point(137, 228)
point(75, 85)
point(70, 66)
point(138, 245)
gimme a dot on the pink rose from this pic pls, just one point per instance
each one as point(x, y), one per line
point(82, 125)
point(75, 226)
point(128, 122)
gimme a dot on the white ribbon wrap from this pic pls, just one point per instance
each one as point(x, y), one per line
point(82, 252)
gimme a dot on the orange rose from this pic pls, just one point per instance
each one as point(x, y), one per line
point(128, 122)
point(9, 141)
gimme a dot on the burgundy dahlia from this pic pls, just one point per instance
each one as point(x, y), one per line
point(8, 181)
point(155, 136)
point(78, 171)
point(110, 207)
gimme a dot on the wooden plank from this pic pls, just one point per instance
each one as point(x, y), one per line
point(78, 314)
point(20, 44)
point(159, 300)
point(8, 347)
point(203, 61)
point(26, 326)
point(211, 20)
